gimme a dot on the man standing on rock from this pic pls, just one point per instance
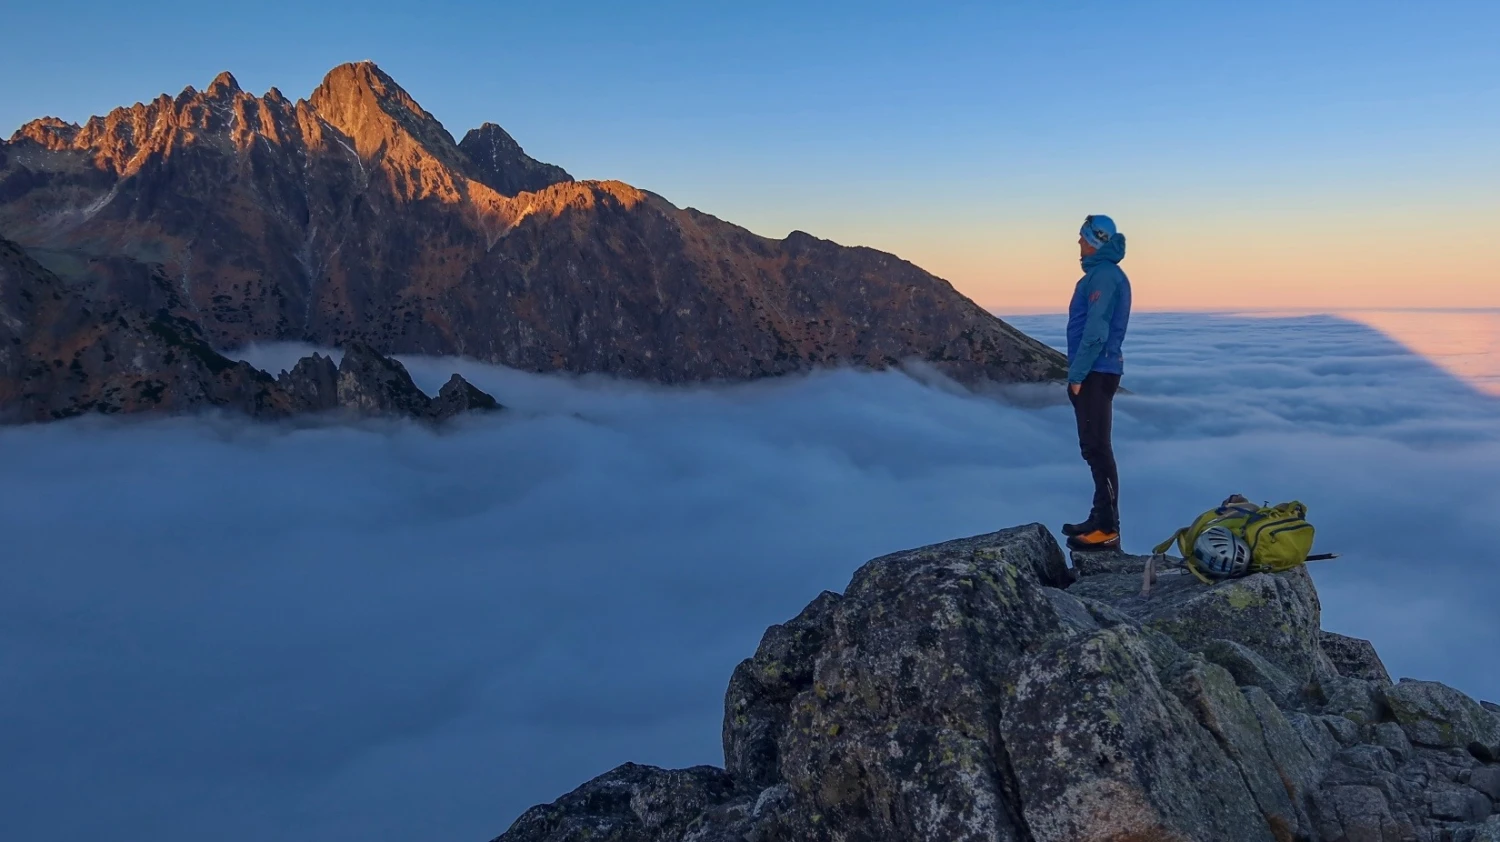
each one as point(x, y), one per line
point(1097, 320)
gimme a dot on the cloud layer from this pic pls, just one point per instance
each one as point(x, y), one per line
point(312, 633)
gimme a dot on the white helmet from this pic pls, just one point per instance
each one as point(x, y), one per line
point(1221, 554)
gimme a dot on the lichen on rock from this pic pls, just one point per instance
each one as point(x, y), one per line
point(1438, 716)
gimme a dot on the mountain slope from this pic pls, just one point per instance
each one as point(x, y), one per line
point(354, 215)
point(61, 356)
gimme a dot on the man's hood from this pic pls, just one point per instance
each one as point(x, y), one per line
point(1112, 251)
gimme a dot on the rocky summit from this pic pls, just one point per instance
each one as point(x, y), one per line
point(354, 216)
point(984, 690)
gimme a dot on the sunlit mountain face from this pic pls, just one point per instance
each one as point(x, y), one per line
point(355, 215)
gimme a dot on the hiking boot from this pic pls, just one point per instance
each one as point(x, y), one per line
point(1098, 539)
point(1084, 528)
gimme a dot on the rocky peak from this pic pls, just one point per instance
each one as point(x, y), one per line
point(360, 100)
point(377, 385)
point(354, 79)
point(458, 396)
point(500, 163)
point(313, 383)
point(386, 125)
point(981, 689)
point(223, 85)
point(49, 132)
point(369, 383)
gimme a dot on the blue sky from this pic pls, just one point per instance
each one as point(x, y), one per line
point(963, 136)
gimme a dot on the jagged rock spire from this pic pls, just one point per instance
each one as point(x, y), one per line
point(222, 85)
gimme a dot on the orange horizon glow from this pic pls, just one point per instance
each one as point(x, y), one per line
point(1179, 274)
point(1328, 254)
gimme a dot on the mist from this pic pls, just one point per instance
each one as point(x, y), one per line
point(383, 631)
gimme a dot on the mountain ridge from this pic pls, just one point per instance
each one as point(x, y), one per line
point(354, 216)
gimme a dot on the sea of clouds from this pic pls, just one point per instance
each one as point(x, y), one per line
point(217, 629)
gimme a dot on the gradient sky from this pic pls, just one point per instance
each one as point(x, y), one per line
point(1273, 153)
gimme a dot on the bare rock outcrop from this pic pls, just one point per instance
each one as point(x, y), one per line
point(368, 383)
point(981, 690)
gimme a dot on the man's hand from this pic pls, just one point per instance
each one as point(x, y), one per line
point(1075, 388)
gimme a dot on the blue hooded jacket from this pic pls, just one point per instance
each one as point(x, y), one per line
point(1099, 314)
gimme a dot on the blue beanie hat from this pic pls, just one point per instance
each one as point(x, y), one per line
point(1097, 230)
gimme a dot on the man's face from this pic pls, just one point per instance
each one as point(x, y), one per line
point(1084, 249)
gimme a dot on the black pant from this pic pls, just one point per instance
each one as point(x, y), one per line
point(1093, 406)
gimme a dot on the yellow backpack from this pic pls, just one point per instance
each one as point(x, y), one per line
point(1279, 537)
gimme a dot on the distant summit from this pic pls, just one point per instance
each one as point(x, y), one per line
point(354, 216)
point(223, 85)
point(504, 166)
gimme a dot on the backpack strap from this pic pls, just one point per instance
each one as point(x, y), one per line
point(1192, 567)
point(1167, 544)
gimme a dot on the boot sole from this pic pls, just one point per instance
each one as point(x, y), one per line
point(1082, 547)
